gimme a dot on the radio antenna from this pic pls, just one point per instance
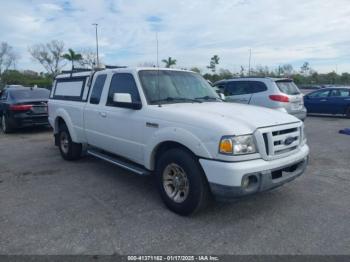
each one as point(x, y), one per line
point(158, 70)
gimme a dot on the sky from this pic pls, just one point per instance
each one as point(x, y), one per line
point(277, 32)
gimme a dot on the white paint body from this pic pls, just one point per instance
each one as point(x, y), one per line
point(197, 126)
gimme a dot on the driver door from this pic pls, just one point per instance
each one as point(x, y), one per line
point(118, 127)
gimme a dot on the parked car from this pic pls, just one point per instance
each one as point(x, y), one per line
point(335, 100)
point(23, 106)
point(172, 124)
point(276, 93)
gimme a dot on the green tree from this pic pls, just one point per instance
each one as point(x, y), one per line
point(213, 62)
point(196, 69)
point(169, 62)
point(225, 74)
point(72, 56)
point(14, 77)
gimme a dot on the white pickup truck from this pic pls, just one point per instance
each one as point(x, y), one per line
point(173, 125)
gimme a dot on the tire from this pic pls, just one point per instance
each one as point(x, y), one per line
point(347, 113)
point(178, 170)
point(69, 150)
point(5, 127)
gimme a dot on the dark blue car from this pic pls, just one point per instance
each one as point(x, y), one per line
point(332, 100)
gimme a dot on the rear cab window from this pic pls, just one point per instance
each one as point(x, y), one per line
point(287, 87)
point(73, 88)
point(97, 89)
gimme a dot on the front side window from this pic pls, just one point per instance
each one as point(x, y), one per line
point(323, 93)
point(163, 86)
point(123, 83)
point(97, 89)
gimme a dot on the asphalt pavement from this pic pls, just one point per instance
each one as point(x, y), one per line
point(51, 206)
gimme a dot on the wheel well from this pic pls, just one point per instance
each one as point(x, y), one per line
point(165, 146)
point(59, 123)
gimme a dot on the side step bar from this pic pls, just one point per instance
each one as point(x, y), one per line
point(119, 162)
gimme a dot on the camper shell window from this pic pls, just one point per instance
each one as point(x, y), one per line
point(73, 88)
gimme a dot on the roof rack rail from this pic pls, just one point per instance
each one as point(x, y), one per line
point(76, 70)
point(114, 67)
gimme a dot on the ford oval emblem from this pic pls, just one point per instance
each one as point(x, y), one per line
point(289, 140)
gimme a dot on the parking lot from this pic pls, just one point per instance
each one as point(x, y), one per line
point(50, 206)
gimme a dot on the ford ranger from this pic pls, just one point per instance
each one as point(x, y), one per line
point(173, 125)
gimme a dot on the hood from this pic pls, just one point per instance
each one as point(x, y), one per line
point(230, 116)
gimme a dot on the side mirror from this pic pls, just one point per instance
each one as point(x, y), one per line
point(122, 98)
point(125, 100)
point(222, 96)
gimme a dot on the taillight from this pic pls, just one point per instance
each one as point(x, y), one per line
point(279, 98)
point(20, 107)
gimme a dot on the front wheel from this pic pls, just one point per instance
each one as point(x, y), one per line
point(181, 182)
point(69, 150)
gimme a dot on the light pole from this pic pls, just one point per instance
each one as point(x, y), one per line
point(250, 57)
point(97, 59)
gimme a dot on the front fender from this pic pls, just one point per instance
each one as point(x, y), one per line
point(177, 135)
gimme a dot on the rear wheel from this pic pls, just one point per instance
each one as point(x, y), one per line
point(5, 127)
point(69, 150)
point(181, 182)
point(348, 112)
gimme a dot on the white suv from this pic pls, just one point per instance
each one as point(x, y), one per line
point(173, 125)
point(277, 93)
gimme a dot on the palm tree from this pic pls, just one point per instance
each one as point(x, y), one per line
point(169, 62)
point(72, 56)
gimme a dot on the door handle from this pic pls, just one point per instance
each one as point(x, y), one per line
point(323, 100)
point(103, 114)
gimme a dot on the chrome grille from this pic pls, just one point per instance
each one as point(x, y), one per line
point(278, 141)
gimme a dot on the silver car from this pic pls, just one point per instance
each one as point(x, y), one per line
point(277, 93)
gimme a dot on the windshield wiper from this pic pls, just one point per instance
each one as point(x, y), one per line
point(209, 98)
point(176, 99)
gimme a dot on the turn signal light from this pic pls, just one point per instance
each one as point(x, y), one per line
point(226, 146)
point(279, 98)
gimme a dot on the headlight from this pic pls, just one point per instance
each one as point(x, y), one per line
point(237, 145)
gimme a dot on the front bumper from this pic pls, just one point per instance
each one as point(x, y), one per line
point(300, 114)
point(226, 178)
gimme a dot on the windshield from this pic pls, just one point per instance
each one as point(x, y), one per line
point(35, 93)
point(175, 87)
point(288, 87)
